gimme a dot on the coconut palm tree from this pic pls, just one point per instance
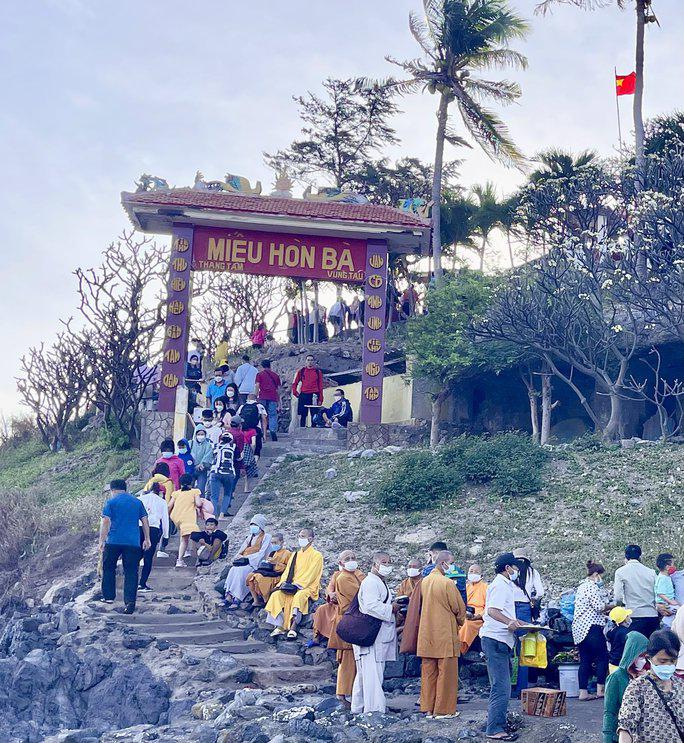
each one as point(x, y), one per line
point(487, 217)
point(457, 222)
point(459, 39)
point(557, 163)
point(644, 15)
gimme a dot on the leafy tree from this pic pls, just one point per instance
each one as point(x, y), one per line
point(459, 38)
point(341, 133)
point(557, 163)
point(664, 132)
point(439, 341)
point(488, 215)
point(456, 222)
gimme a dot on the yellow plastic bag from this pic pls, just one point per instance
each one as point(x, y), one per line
point(533, 650)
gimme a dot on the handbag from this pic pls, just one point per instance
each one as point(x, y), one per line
point(240, 562)
point(358, 628)
point(266, 569)
point(668, 708)
point(287, 586)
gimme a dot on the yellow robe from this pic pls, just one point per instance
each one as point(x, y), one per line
point(476, 593)
point(262, 587)
point(407, 585)
point(307, 574)
point(324, 616)
point(165, 482)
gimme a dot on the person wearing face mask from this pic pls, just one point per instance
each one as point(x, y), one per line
point(212, 428)
point(304, 570)
point(167, 450)
point(220, 408)
point(652, 709)
point(497, 636)
point(617, 630)
point(587, 631)
point(339, 414)
point(253, 550)
point(375, 599)
point(186, 455)
point(261, 585)
point(407, 586)
point(476, 591)
point(216, 388)
point(202, 453)
point(347, 584)
point(443, 614)
point(633, 663)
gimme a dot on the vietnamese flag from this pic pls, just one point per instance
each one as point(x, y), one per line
point(625, 84)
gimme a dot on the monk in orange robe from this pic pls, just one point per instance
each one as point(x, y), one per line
point(325, 614)
point(442, 614)
point(476, 591)
point(413, 570)
point(261, 586)
point(346, 585)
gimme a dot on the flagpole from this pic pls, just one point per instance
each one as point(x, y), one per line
point(617, 108)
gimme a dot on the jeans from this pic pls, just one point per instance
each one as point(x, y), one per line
point(524, 613)
point(130, 557)
point(593, 650)
point(148, 555)
point(272, 410)
point(646, 625)
point(498, 656)
point(219, 481)
point(201, 477)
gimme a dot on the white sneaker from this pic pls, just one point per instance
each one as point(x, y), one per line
point(278, 631)
point(161, 553)
point(187, 554)
point(181, 564)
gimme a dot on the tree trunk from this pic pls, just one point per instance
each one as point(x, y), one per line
point(482, 252)
point(437, 188)
point(639, 89)
point(528, 381)
point(547, 407)
point(437, 404)
point(510, 248)
point(615, 428)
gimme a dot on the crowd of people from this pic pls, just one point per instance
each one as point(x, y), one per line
point(630, 642)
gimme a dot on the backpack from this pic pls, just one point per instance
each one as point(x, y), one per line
point(250, 415)
point(567, 605)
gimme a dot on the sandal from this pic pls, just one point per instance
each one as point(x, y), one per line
point(292, 635)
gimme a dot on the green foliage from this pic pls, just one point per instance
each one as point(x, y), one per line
point(418, 481)
point(511, 462)
point(114, 437)
point(440, 340)
point(588, 442)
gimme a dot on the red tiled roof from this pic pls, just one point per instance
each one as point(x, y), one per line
point(229, 202)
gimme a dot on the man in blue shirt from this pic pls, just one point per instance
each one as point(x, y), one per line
point(120, 538)
point(216, 388)
point(245, 378)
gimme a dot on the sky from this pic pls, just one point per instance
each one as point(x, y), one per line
point(96, 93)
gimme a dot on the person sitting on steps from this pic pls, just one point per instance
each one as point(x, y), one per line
point(263, 580)
point(210, 544)
point(253, 550)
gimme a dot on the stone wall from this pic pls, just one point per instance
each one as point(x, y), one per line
point(155, 426)
point(376, 436)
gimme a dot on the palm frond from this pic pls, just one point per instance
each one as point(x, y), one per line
point(455, 139)
point(488, 131)
point(546, 6)
point(402, 87)
point(434, 19)
point(495, 58)
point(502, 91)
point(420, 34)
point(414, 67)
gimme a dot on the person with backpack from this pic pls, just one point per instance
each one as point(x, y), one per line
point(254, 417)
point(307, 387)
point(168, 456)
point(222, 474)
point(268, 395)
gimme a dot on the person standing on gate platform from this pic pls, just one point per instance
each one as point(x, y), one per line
point(634, 588)
point(245, 378)
point(120, 538)
point(307, 388)
point(497, 637)
point(268, 394)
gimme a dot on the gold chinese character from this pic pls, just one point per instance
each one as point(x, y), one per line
point(374, 345)
point(179, 264)
point(172, 356)
point(170, 380)
point(178, 284)
point(372, 393)
point(375, 280)
point(374, 323)
point(173, 331)
point(374, 301)
point(182, 244)
point(376, 261)
point(176, 307)
point(372, 369)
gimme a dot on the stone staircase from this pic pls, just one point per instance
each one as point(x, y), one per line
point(317, 440)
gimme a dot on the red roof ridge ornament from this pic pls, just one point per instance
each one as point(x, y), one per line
point(416, 205)
point(149, 182)
point(332, 193)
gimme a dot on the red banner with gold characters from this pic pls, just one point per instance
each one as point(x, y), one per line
point(279, 254)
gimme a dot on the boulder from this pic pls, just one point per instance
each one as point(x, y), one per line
point(294, 713)
point(330, 473)
point(422, 535)
point(351, 496)
point(307, 728)
point(368, 453)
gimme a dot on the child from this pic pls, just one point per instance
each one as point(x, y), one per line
point(183, 512)
point(186, 455)
point(212, 428)
point(664, 587)
point(202, 451)
point(211, 543)
point(160, 474)
point(223, 474)
point(249, 463)
point(169, 456)
point(618, 629)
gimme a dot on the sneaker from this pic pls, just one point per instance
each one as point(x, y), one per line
point(187, 554)
point(181, 564)
point(161, 553)
point(106, 601)
point(144, 589)
point(130, 608)
point(278, 631)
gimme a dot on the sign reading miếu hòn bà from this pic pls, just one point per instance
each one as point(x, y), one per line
point(279, 254)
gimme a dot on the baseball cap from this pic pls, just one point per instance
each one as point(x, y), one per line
point(619, 614)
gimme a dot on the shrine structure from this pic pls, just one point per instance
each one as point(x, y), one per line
point(227, 226)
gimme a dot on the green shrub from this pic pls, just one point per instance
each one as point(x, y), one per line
point(418, 480)
point(517, 479)
point(587, 442)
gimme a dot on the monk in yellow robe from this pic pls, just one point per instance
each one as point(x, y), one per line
point(261, 586)
point(325, 614)
point(346, 586)
point(442, 614)
point(476, 591)
point(304, 569)
point(413, 570)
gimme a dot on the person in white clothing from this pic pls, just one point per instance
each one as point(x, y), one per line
point(528, 590)
point(158, 519)
point(252, 551)
point(375, 599)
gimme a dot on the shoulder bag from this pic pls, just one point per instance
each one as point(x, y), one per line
point(287, 586)
point(668, 708)
point(358, 628)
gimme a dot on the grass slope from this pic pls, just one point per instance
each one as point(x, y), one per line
point(594, 501)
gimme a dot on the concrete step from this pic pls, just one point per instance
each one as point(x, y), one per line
point(273, 660)
point(157, 621)
point(234, 648)
point(188, 637)
point(266, 677)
